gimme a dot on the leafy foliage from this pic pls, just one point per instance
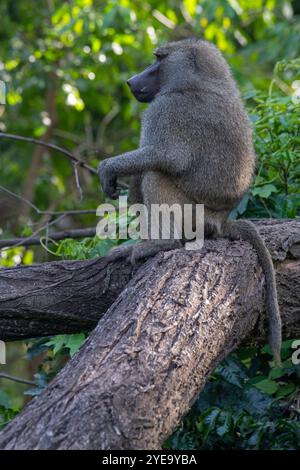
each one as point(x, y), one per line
point(276, 189)
point(247, 404)
point(56, 351)
point(83, 51)
point(7, 411)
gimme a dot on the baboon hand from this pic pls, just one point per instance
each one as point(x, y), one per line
point(108, 179)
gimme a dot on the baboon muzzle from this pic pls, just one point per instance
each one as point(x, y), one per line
point(145, 85)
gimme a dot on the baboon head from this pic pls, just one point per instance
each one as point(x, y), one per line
point(180, 65)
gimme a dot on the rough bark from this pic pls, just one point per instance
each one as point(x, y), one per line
point(70, 296)
point(151, 353)
point(58, 297)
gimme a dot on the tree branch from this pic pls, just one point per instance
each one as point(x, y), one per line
point(70, 296)
point(42, 143)
point(41, 212)
point(17, 379)
point(63, 151)
point(58, 297)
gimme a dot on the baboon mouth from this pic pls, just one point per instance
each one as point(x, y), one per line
point(143, 96)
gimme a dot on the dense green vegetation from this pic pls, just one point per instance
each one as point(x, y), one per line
point(65, 66)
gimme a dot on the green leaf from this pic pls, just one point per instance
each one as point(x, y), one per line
point(231, 371)
point(285, 390)
point(226, 426)
point(71, 342)
point(277, 372)
point(208, 421)
point(58, 342)
point(264, 191)
point(75, 342)
point(268, 386)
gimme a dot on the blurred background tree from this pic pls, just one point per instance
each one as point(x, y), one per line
point(65, 66)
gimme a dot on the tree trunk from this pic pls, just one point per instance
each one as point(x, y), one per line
point(151, 353)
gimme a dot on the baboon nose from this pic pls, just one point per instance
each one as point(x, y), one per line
point(128, 82)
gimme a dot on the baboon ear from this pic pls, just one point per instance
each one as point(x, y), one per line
point(161, 52)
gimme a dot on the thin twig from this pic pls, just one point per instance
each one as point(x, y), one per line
point(67, 135)
point(62, 150)
point(16, 379)
point(163, 19)
point(21, 241)
point(40, 212)
point(75, 165)
point(28, 241)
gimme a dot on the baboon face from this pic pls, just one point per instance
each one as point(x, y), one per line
point(182, 64)
point(146, 85)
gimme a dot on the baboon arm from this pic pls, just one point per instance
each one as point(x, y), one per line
point(133, 162)
point(138, 161)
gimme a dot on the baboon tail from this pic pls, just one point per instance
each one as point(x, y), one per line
point(247, 231)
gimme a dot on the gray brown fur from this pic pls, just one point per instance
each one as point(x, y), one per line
point(195, 147)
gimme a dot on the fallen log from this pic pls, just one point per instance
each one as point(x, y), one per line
point(151, 353)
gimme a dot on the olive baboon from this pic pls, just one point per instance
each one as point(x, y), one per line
point(195, 147)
